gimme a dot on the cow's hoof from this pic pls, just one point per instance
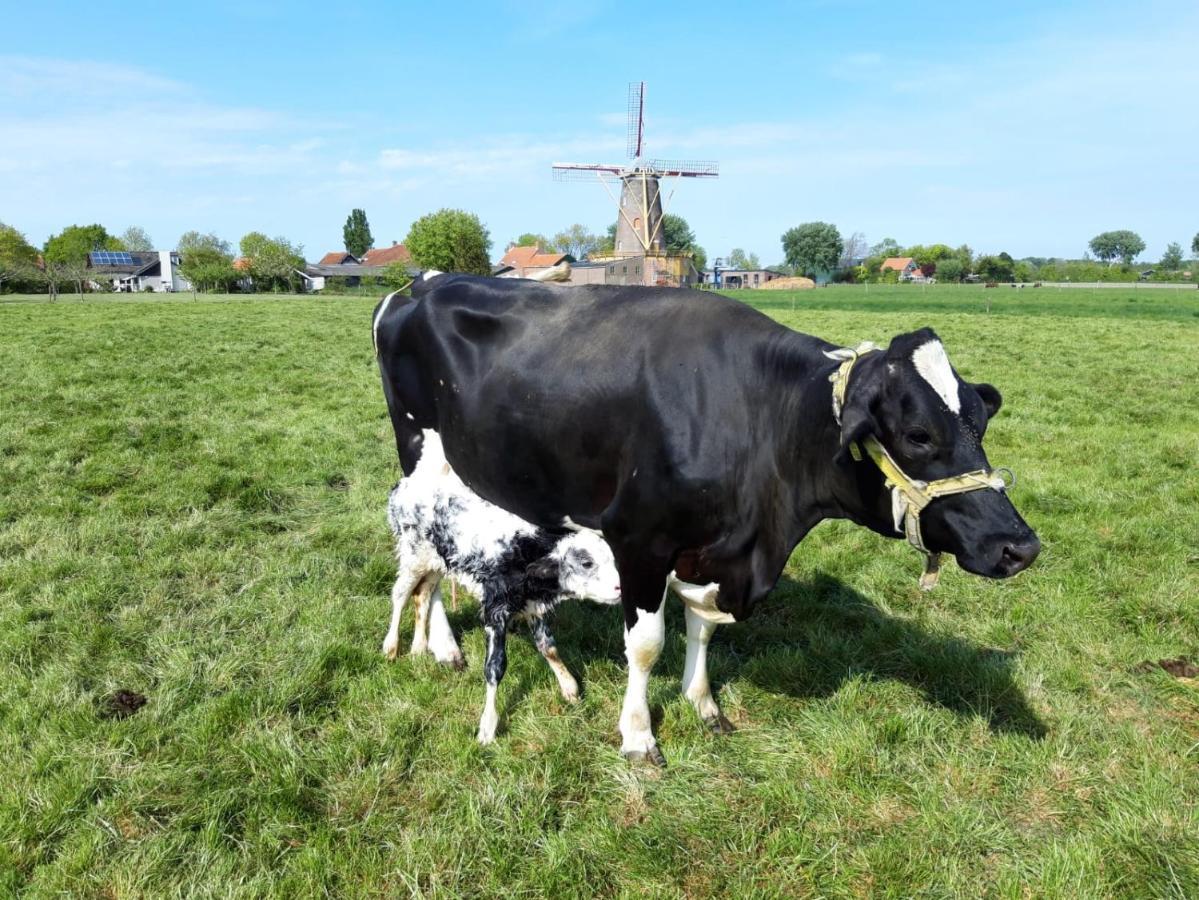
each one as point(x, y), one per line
point(718, 724)
point(455, 662)
point(651, 757)
point(390, 650)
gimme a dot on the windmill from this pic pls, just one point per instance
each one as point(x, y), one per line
point(640, 208)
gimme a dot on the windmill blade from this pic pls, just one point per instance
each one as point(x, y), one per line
point(636, 118)
point(685, 168)
point(585, 172)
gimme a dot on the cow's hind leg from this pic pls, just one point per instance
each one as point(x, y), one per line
point(696, 687)
point(546, 646)
point(493, 673)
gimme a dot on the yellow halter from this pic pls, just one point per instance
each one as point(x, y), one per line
point(909, 496)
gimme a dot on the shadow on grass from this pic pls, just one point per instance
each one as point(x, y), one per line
point(808, 637)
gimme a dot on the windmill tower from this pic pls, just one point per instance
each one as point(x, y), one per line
point(641, 206)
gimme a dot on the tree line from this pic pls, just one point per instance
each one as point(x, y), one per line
point(817, 250)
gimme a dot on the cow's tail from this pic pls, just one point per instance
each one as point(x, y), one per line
point(560, 272)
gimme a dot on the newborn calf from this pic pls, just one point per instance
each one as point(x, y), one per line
point(517, 570)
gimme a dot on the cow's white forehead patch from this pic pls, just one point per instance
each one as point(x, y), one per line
point(933, 365)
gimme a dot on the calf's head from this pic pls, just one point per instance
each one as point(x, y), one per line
point(580, 565)
point(932, 424)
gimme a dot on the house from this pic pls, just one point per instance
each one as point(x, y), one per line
point(338, 258)
point(352, 270)
point(382, 257)
point(904, 265)
point(527, 261)
point(134, 271)
point(739, 278)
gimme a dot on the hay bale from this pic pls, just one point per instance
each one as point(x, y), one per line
point(793, 283)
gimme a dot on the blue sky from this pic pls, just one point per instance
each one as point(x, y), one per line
point(1025, 127)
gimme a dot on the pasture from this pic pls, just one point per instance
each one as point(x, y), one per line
point(192, 509)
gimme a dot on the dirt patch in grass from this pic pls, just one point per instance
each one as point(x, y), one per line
point(1175, 668)
point(121, 704)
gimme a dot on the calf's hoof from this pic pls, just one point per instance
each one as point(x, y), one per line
point(391, 649)
point(651, 757)
point(718, 724)
point(457, 662)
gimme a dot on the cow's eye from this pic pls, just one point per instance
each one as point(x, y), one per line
point(587, 562)
point(919, 437)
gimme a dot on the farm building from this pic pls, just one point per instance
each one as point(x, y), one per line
point(740, 278)
point(133, 271)
point(905, 266)
point(352, 269)
point(527, 261)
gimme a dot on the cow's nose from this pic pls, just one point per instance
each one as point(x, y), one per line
point(1019, 555)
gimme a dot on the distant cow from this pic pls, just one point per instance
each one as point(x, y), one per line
point(698, 434)
point(517, 571)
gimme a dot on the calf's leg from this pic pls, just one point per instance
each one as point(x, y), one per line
point(420, 602)
point(407, 578)
point(493, 673)
point(546, 646)
point(441, 637)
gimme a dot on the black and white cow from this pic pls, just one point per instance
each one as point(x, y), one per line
point(517, 570)
point(696, 432)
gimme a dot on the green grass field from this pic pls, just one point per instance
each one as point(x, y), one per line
point(192, 500)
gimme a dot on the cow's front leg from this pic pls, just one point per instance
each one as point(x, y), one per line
point(696, 687)
point(643, 642)
point(548, 649)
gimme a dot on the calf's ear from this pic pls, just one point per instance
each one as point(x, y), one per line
point(990, 397)
point(544, 569)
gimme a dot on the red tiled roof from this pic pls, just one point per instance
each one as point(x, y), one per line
point(337, 258)
point(242, 263)
point(898, 263)
point(385, 256)
point(521, 258)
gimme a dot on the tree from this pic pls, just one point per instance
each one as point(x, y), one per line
point(996, 268)
point(192, 241)
point(75, 242)
point(396, 275)
point(135, 238)
point(1122, 245)
point(1195, 245)
point(273, 263)
point(739, 259)
point(531, 239)
point(206, 262)
point(677, 236)
point(813, 248)
point(886, 247)
point(950, 269)
point(577, 241)
point(854, 250)
point(357, 233)
point(17, 255)
point(699, 256)
point(450, 240)
point(607, 243)
point(1172, 258)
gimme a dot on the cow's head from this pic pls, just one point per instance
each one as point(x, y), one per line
point(932, 423)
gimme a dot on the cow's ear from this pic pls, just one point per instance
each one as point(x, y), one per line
point(544, 569)
point(857, 423)
point(990, 397)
